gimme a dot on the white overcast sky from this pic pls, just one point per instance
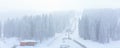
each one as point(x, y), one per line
point(13, 8)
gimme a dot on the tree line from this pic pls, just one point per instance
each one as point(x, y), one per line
point(39, 27)
point(100, 25)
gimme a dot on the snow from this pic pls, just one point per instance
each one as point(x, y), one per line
point(55, 42)
point(93, 44)
point(28, 41)
point(8, 43)
point(60, 40)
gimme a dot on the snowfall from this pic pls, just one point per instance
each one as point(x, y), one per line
point(60, 40)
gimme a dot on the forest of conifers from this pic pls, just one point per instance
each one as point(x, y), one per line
point(100, 25)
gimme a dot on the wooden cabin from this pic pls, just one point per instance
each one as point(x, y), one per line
point(28, 43)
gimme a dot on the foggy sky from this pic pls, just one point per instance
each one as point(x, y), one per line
point(17, 8)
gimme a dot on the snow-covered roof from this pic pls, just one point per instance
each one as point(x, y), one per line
point(28, 41)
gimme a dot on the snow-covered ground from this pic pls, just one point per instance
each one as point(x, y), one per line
point(8, 43)
point(60, 40)
point(93, 44)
